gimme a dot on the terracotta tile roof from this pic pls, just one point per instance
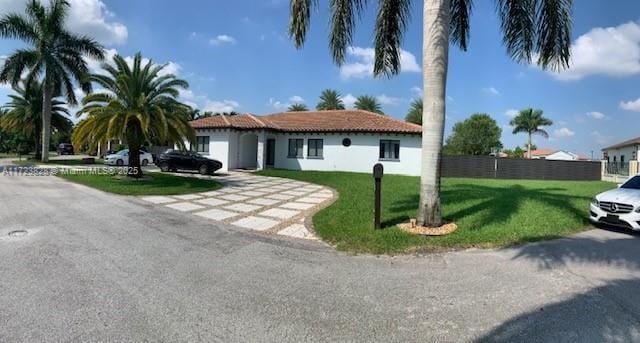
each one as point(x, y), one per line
point(633, 141)
point(543, 152)
point(313, 121)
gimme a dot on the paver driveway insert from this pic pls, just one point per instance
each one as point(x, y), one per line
point(255, 202)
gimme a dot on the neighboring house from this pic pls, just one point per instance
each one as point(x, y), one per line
point(339, 140)
point(553, 154)
point(626, 151)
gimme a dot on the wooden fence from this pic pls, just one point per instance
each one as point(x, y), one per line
point(519, 168)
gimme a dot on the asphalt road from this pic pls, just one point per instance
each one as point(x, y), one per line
point(100, 267)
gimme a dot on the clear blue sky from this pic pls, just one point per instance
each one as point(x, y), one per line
point(236, 55)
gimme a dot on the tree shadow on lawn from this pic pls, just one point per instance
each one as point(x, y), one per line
point(493, 205)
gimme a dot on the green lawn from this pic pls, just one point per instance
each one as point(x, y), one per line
point(74, 162)
point(488, 212)
point(152, 184)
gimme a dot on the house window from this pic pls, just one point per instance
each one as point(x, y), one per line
point(295, 148)
point(622, 159)
point(389, 150)
point(202, 144)
point(314, 149)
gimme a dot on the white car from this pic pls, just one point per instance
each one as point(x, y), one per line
point(619, 207)
point(121, 158)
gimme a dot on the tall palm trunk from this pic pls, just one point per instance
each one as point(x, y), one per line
point(435, 60)
point(133, 134)
point(529, 147)
point(46, 118)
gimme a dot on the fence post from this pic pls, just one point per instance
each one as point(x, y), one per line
point(603, 168)
point(633, 168)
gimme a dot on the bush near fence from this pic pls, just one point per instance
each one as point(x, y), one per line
point(518, 168)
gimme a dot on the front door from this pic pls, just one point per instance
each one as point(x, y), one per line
point(271, 152)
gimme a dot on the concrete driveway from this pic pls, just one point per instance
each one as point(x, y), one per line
point(99, 267)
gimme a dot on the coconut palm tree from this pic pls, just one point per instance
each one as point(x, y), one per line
point(24, 114)
point(138, 105)
point(297, 108)
point(330, 99)
point(415, 112)
point(530, 121)
point(368, 103)
point(53, 52)
point(531, 28)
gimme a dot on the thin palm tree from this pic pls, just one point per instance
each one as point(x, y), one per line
point(137, 106)
point(53, 52)
point(330, 99)
point(415, 112)
point(531, 28)
point(368, 103)
point(530, 121)
point(297, 108)
point(24, 114)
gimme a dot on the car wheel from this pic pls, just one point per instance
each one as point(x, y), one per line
point(119, 162)
point(164, 166)
point(145, 162)
point(204, 170)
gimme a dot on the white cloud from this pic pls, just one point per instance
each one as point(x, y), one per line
point(511, 113)
point(278, 105)
point(491, 90)
point(362, 60)
point(388, 100)
point(349, 100)
point(600, 138)
point(222, 39)
point(87, 17)
point(416, 92)
point(633, 105)
point(610, 51)
point(563, 133)
point(221, 106)
point(595, 115)
point(296, 99)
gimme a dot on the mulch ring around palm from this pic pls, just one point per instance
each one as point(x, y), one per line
point(414, 229)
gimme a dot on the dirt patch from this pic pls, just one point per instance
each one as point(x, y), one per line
point(414, 229)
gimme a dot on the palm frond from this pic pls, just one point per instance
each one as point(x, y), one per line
point(554, 33)
point(518, 27)
point(300, 20)
point(459, 24)
point(391, 23)
point(343, 18)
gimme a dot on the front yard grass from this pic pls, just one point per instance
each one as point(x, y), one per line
point(489, 212)
point(66, 162)
point(151, 184)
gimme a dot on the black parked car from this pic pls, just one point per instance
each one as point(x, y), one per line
point(65, 149)
point(172, 160)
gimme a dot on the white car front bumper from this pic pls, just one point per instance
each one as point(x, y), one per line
point(629, 220)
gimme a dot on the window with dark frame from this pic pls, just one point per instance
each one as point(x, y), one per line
point(389, 149)
point(296, 146)
point(314, 148)
point(202, 144)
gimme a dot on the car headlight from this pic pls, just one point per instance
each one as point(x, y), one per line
point(595, 202)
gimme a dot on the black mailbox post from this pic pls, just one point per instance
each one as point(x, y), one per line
point(378, 172)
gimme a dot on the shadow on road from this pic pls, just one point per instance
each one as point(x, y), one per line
point(610, 312)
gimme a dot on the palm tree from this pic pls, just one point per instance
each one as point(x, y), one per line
point(368, 103)
point(25, 112)
point(330, 99)
point(530, 121)
point(137, 106)
point(531, 28)
point(415, 112)
point(297, 108)
point(53, 51)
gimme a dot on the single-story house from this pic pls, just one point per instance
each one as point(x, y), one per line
point(626, 151)
point(336, 140)
point(553, 154)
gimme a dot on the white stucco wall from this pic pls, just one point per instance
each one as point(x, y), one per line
point(220, 144)
point(627, 152)
point(359, 157)
point(561, 155)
